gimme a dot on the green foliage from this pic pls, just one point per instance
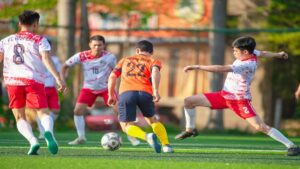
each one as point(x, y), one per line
point(18, 7)
point(283, 14)
point(284, 74)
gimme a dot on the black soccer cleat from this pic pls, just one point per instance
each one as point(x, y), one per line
point(293, 151)
point(186, 134)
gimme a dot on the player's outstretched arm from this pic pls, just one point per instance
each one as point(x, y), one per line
point(112, 99)
point(51, 68)
point(209, 68)
point(155, 79)
point(280, 55)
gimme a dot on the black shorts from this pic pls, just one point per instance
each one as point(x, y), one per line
point(128, 102)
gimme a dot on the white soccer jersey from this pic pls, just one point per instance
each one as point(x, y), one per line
point(50, 81)
point(96, 70)
point(237, 83)
point(22, 60)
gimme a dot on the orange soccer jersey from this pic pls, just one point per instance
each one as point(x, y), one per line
point(135, 73)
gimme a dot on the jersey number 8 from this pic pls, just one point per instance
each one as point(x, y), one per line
point(18, 54)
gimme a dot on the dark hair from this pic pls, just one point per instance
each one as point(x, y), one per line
point(145, 46)
point(29, 17)
point(245, 43)
point(97, 38)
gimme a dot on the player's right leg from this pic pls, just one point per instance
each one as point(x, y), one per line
point(36, 99)
point(190, 103)
point(79, 111)
point(47, 123)
point(86, 98)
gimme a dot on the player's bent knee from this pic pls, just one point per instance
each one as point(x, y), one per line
point(188, 102)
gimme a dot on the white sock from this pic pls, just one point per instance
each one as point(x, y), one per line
point(25, 129)
point(47, 122)
point(189, 118)
point(276, 135)
point(79, 124)
point(40, 126)
point(53, 115)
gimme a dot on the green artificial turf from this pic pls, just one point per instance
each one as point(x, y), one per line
point(205, 151)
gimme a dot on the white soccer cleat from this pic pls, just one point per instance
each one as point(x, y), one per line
point(78, 141)
point(167, 149)
point(134, 141)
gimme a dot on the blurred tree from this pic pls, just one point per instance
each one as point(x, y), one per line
point(66, 12)
point(217, 50)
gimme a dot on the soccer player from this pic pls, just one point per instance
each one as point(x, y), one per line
point(25, 55)
point(236, 92)
point(297, 93)
point(97, 64)
point(51, 94)
point(140, 77)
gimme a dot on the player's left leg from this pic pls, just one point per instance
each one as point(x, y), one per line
point(25, 129)
point(17, 102)
point(259, 125)
point(134, 141)
point(245, 110)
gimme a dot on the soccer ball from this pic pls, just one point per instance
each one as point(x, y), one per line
point(111, 141)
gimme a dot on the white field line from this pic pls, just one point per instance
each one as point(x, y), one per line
point(142, 148)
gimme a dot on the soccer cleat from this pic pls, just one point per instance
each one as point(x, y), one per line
point(167, 149)
point(293, 151)
point(51, 142)
point(186, 134)
point(78, 141)
point(34, 149)
point(134, 141)
point(153, 142)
